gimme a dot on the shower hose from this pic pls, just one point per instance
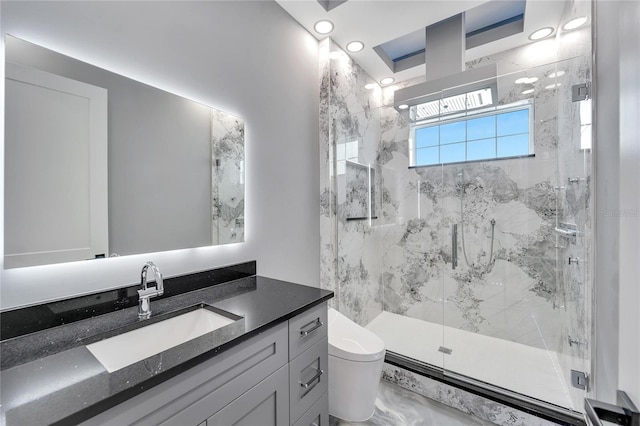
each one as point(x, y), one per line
point(464, 250)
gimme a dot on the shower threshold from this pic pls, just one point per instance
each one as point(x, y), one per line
point(532, 382)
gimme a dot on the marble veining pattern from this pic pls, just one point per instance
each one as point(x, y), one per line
point(396, 406)
point(227, 178)
point(523, 290)
point(328, 224)
point(349, 131)
point(464, 401)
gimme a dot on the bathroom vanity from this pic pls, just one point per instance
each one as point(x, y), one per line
point(266, 366)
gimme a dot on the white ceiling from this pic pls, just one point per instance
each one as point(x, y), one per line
point(375, 22)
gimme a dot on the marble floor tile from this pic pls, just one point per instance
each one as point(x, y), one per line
point(396, 406)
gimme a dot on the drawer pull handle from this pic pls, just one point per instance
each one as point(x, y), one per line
point(305, 333)
point(310, 386)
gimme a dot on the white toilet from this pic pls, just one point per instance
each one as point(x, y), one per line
point(356, 356)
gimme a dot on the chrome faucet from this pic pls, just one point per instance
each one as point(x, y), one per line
point(145, 293)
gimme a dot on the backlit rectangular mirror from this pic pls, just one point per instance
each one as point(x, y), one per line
point(99, 165)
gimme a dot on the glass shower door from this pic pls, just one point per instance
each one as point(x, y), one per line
point(512, 315)
point(574, 228)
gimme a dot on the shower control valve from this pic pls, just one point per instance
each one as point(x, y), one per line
point(574, 260)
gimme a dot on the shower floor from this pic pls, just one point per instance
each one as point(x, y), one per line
point(524, 369)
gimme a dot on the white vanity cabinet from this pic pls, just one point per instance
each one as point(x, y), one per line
point(278, 378)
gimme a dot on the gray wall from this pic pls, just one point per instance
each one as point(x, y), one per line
point(250, 59)
point(617, 290)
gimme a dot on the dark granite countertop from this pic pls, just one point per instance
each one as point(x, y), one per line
point(50, 376)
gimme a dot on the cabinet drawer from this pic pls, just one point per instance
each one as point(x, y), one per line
point(317, 415)
point(307, 329)
point(308, 376)
point(266, 404)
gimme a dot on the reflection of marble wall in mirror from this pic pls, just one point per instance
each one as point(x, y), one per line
point(227, 178)
point(159, 161)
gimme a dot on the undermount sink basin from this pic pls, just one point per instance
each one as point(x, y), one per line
point(128, 348)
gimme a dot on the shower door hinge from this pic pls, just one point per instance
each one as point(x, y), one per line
point(580, 92)
point(580, 379)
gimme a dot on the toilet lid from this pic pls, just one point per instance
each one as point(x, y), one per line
point(350, 341)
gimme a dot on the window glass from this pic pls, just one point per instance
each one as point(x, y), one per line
point(427, 156)
point(481, 149)
point(427, 136)
point(481, 128)
point(452, 153)
point(497, 134)
point(512, 123)
point(511, 146)
point(452, 133)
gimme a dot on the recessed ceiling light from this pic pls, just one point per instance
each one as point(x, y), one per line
point(541, 33)
point(575, 23)
point(370, 86)
point(556, 74)
point(528, 91)
point(323, 27)
point(526, 80)
point(355, 46)
point(553, 86)
point(403, 106)
point(387, 80)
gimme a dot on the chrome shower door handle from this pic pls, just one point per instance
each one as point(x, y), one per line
point(454, 246)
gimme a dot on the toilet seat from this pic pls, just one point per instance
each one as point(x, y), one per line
point(349, 341)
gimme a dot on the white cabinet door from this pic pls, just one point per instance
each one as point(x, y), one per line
point(55, 169)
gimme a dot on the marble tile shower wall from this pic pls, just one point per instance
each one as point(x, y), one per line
point(351, 255)
point(401, 261)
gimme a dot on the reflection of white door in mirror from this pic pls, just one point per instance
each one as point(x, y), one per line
point(55, 169)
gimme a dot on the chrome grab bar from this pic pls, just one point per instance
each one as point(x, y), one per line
point(454, 246)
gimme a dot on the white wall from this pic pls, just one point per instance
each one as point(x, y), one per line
point(250, 59)
point(617, 320)
point(629, 175)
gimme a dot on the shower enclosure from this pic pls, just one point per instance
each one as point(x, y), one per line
point(474, 267)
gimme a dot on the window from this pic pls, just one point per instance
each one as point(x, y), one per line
point(500, 133)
